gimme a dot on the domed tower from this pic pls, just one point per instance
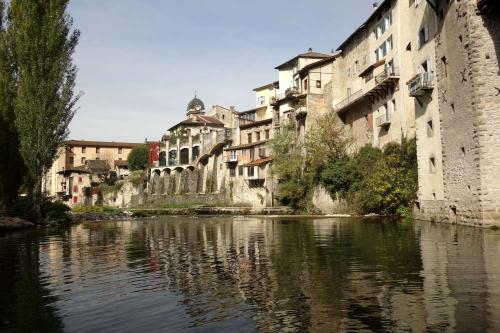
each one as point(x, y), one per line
point(195, 107)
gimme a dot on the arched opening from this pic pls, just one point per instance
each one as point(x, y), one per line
point(184, 156)
point(172, 157)
point(195, 153)
point(163, 158)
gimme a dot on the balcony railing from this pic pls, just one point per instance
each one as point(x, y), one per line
point(420, 84)
point(383, 120)
point(387, 73)
point(349, 100)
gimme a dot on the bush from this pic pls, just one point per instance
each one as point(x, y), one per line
point(376, 181)
point(94, 209)
point(51, 211)
point(335, 177)
point(138, 157)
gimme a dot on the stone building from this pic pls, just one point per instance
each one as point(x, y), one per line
point(191, 154)
point(302, 83)
point(75, 155)
point(467, 122)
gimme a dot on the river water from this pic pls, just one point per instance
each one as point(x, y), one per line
point(224, 274)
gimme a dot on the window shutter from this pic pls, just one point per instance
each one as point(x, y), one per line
point(426, 33)
point(418, 41)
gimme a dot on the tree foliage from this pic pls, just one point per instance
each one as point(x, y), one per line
point(327, 140)
point(11, 163)
point(138, 157)
point(42, 43)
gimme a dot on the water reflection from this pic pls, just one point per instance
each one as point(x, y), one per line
point(250, 274)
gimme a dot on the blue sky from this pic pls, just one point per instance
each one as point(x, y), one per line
point(141, 61)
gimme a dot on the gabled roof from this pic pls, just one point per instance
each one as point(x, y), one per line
point(319, 63)
point(268, 86)
point(199, 120)
point(310, 55)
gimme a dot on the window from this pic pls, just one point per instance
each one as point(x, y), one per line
point(243, 152)
point(388, 20)
point(262, 100)
point(97, 150)
point(349, 72)
point(120, 159)
point(394, 105)
point(430, 128)
point(267, 134)
point(83, 160)
point(389, 67)
point(423, 36)
point(305, 85)
point(240, 171)
point(84, 150)
point(388, 43)
point(250, 171)
point(80, 180)
point(75, 189)
point(318, 83)
point(377, 58)
point(234, 155)
point(252, 153)
point(120, 150)
point(432, 164)
point(356, 66)
point(257, 136)
point(232, 172)
point(445, 66)
point(71, 160)
point(249, 137)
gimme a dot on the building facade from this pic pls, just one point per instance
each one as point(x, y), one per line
point(76, 159)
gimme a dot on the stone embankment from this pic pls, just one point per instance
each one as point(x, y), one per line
point(14, 223)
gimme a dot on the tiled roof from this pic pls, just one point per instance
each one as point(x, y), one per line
point(257, 123)
point(260, 161)
point(121, 163)
point(111, 144)
point(247, 145)
point(319, 63)
point(310, 54)
point(200, 120)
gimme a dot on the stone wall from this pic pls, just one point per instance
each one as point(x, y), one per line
point(467, 57)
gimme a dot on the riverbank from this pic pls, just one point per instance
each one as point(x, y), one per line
point(14, 223)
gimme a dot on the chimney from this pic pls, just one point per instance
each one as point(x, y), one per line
point(232, 108)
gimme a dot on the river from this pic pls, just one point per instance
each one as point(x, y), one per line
point(225, 274)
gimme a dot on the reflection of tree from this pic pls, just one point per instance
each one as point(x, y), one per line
point(25, 304)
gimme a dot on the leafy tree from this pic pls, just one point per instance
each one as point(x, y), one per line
point(327, 140)
point(288, 162)
point(335, 177)
point(11, 163)
point(42, 43)
point(138, 157)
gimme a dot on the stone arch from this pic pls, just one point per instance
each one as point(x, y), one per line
point(195, 153)
point(184, 156)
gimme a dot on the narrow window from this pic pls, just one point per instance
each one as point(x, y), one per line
point(84, 149)
point(240, 171)
point(243, 152)
point(232, 172)
point(445, 66)
point(267, 134)
point(432, 164)
point(305, 85)
point(258, 136)
point(430, 129)
point(97, 150)
point(318, 83)
point(252, 153)
point(249, 137)
point(71, 160)
point(83, 160)
point(120, 150)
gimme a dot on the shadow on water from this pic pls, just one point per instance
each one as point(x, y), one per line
point(25, 302)
point(251, 274)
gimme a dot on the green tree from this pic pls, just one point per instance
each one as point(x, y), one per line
point(138, 157)
point(42, 42)
point(11, 163)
